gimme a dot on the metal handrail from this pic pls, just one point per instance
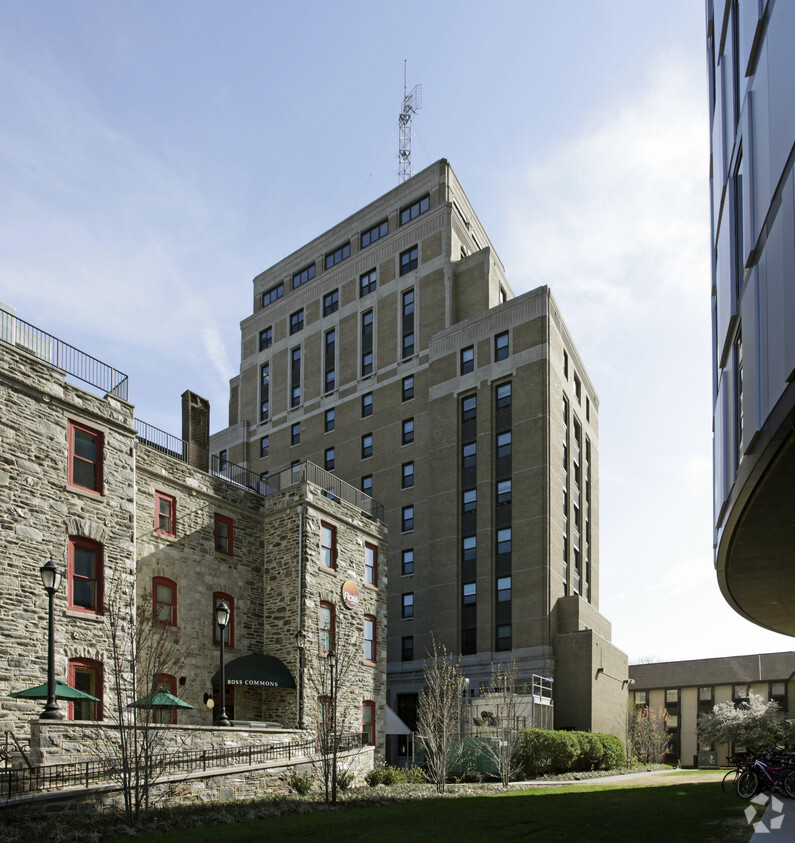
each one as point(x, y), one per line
point(20, 334)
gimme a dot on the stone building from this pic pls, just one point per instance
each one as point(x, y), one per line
point(124, 508)
point(392, 351)
point(685, 689)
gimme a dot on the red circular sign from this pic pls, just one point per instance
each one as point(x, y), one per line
point(350, 594)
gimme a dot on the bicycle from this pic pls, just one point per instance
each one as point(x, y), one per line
point(741, 762)
point(769, 771)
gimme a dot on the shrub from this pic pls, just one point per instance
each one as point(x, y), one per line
point(301, 783)
point(416, 775)
point(345, 780)
point(385, 775)
point(544, 752)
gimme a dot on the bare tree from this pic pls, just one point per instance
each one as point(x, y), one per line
point(647, 734)
point(333, 717)
point(143, 651)
point(506, 708)
point(439, 720)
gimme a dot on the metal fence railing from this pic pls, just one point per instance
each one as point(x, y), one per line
point(16, 782)
point(67, 358)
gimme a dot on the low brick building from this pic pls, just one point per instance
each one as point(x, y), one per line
point(124, 509)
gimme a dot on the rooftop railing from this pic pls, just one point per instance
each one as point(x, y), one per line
point(67, 358)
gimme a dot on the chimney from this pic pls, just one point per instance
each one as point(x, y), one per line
point(196, 429)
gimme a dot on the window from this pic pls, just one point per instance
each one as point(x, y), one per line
point(367, 283)
point(224, 534)
point(566, 365)
point(295, 376)
point(503, 492)
point(297, 321)
point(331, 302)
point(229, 629)
point(408, 323)
point(408, 387)
point(86, 676)
point(367, 405)
point(408, 475)
point(412, 211)
point(164, 682)
point(329, 421)
point(164, 598)
point(165, 514)
point(264, 444)
point(328, 545)
point(407, 648)
point(330, 361)
point(469, 455)
point(470, 500)
point(407, 605)
point(85, 458)
point(375, 232)
point(469, 593)
point(467, 359)
point(370, 564)
point(368, 723)
point(338, 255)
point(273, 294)
point(264, 392)
point(367, 343)
point(504, 444)
point(295, 434)
point(577, 388)
point(504, 396)
point(367, 445)
point(503, 641)
point(469, 408)
point(503, 589)
point(303, 275)
point(369, 639)
point(407, 562)
point(367, 484)
point(469, 548)
point(504, 541)
point(85, 570)
point(407, 519)
point(326, 623)
point(409, 260)
point(407, 436)
point(641, 697)
point(265, 338)
point(328, 462)
point(501, 346)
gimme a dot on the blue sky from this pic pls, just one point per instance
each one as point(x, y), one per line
point(156, 156)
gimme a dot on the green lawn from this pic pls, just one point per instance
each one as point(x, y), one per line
point(681, 811)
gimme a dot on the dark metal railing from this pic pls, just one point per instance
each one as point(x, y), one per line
point(236, 474)
point(159, 440)
point(85, 773)
point(308, 472)
point(67, 358)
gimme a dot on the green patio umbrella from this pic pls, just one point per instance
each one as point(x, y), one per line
point(160, 699)
point(62, 692)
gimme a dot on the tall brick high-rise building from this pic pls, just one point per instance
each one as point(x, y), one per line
point(392, 351)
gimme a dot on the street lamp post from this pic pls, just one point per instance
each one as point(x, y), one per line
point(222, 614)
point(51, 580)
point(300, 639)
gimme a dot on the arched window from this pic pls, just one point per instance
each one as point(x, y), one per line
point(85, 575)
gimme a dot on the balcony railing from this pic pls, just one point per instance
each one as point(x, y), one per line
point(63, 356)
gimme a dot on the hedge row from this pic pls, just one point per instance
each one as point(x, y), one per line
point(542, 752)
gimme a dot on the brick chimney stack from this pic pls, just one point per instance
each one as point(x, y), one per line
point(196, 429)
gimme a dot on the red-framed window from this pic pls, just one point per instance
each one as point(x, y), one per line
point(164, 598)
point(229, 703)
point(229, 632)
point(328, 545)
point(85, 457)
point(164, 682)
point(85, 575)
point(325, 627)
point(165, 514)
point(224, 534)
point(370, 564)
point(368, 723)
point(369, 639)
point(85, 675)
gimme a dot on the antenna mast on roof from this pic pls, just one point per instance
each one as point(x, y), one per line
point(412, 103)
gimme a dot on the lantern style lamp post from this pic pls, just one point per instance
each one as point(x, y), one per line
point(300, 640)
point(51, 580)
point(222, 614)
